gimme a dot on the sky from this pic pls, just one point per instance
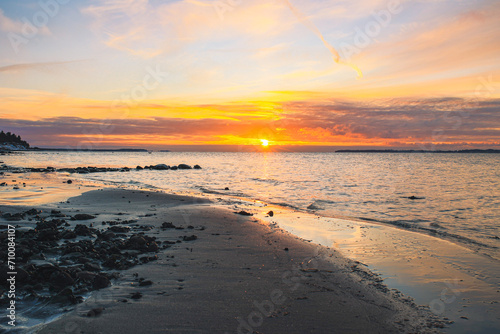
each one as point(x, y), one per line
point(421, 74)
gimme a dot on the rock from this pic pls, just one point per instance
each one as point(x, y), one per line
point(48, 235)
point(136, 295)
point(22, 275)
point(173, 168)
point(184, 166)
point(95, 312)
point(119, 229)
point(415, 197)
point(86, 276)
point(83, 230)
point(270, 213)
point(92, 266)
point(139, 168)
point(136, 242)
point(227, 188)
point(68, 235)
point(32, 212)
point(168, 225)
point(101, 282)
point(244, 213)
point(161, 167)
point(61, 279)
point(69, 182)
point(83, 216)
point(146, 283)
point(189, 238)
point(152, 247)
point(197, 167)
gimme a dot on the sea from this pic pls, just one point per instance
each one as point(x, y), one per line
point(434, 216)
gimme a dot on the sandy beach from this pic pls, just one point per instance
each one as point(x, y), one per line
point(212, 271)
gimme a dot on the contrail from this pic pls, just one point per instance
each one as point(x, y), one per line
point(305, 21)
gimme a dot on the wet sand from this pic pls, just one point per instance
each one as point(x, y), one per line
point(240, 275)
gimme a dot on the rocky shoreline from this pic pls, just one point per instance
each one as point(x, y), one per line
point(64, 257)
point(92, 169)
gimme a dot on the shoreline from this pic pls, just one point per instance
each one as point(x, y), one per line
point(459, 294)
point(219, 276)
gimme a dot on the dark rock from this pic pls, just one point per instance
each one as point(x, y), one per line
point(146, 283)
point(152, 247)
point(189, 238)
point(270, 213)
point(61, 279)
point(48, 235)
point(168, 225)
point(161, 167)
point(197, 167)
point(139, 168)
point(83, 230)
point(101, 282)
point(227, 188)
point(173, 168)
point(184, 166)
point(244, 213)
point(69, 182)
point(86, 276)
point(415, 197)
point(136, 295)
point(92, 266)
point(83, 216)
point(68, 235)
point(32, 212)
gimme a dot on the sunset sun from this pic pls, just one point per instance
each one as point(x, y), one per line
point(264, 142)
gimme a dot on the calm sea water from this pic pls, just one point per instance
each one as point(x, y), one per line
point(459, 193)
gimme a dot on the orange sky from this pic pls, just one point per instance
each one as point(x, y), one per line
point(139, 73)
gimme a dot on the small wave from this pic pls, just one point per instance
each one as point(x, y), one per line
point(431, 231)
point(270, 181)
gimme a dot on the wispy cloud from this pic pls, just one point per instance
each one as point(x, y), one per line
point(44, 67)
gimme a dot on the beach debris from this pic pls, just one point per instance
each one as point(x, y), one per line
point(309, 270)
point(244, 213)
point(95, 312)
point(189, 238)
point(270, 213)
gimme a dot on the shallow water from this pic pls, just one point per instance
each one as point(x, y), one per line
point(460, 192)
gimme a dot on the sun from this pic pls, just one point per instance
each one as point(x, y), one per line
point(264, 142)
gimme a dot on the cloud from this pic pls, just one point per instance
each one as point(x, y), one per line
point(44, 67)
point(389, 122)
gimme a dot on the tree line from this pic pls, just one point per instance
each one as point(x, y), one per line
point(12, 138)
